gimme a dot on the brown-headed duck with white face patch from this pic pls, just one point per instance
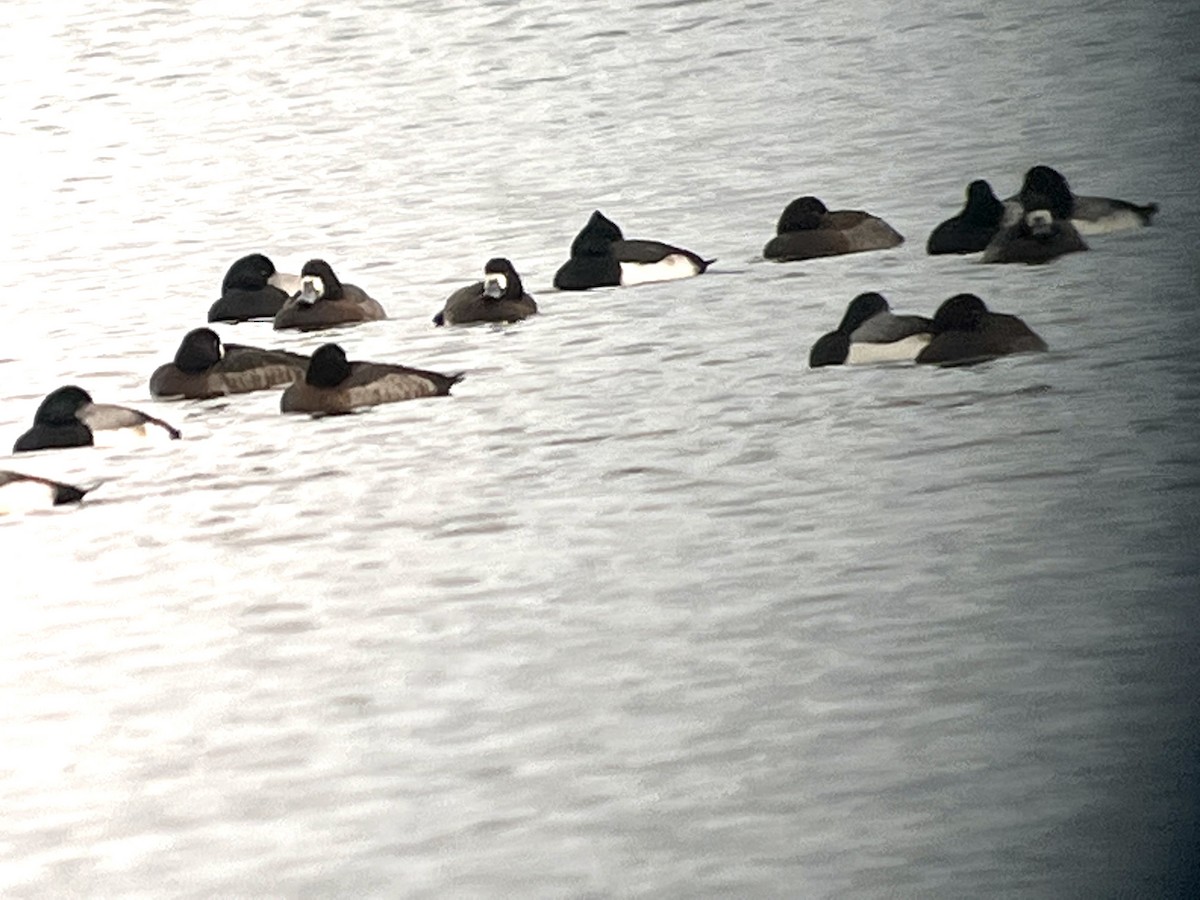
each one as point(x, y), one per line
point(323, 301)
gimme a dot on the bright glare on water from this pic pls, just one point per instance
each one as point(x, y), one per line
point(648, 607)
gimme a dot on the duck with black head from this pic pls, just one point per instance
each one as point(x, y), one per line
point(871, 333)
point(324, 301)
point(967, 332)
point(973, 228)
point(601, 256)
point(68, 417)
point(1047, 188)
point(252, 289)
point(334, 385)
point(500, 297)
point(204, 367)
point(807, 229)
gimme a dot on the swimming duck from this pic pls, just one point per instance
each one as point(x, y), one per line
point(973, 228)
point(67, 417)
point(1047, 188)
point(602, 257)
point(500, 297)
point(204, 368)
point(325, 302)
point(869, 332)
point(966, 332)
point(808, 230)
point(334, 385)
point(1037, 237)
point(252, 289)
point(23, 493)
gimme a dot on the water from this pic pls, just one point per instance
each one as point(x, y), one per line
point(648, 607)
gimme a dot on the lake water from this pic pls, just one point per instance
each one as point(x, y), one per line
point(648, 607)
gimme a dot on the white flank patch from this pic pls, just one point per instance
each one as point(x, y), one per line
point(18, 497)
point(904, 350)
point(120, 438)
point(669, 268)
point(1117, 220)
point(131, 436)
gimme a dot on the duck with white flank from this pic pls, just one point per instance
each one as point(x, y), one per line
point(20, 493)
point(601, 256)
point(67, 417)
point(1090, 215)
point(870, 333)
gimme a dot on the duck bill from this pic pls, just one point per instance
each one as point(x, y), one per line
point(1040, 223)
point(494, 285)
point(311, 290)
point(289, 284)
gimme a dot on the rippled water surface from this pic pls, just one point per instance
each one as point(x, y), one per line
point(648, 608)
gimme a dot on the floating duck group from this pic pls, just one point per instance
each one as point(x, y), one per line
point(1042, 221)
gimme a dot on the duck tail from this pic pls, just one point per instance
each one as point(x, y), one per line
point(69, 493)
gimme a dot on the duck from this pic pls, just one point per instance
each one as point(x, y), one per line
point(333, 385)
point(203, 368)
point(500, 297)
point(869, 332)
point(68, 417)
point(602, 257)
point(1036, 237)
point(252, 289)
point(973, 228)
point(22, 493)
point(325, 302)
point(1047, 188)
point(966, 332)
point(807, 229)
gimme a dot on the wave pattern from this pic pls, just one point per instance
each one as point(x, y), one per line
point(648, 607)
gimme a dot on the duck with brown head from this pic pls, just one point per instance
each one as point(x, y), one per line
point(334, 385)
point(500, 297)
point(204, 367)
point(807, 229)
point(967, 332)
point(323, 301)
point(1038, 236)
